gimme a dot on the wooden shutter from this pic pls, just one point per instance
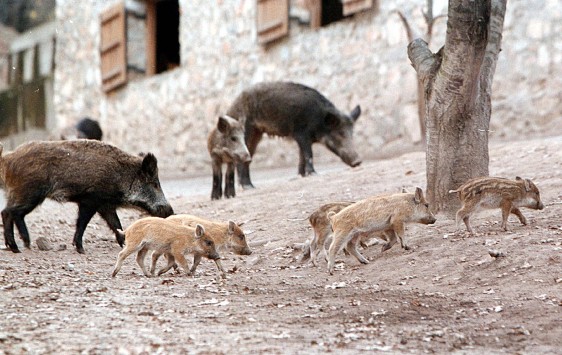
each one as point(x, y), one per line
point(272, 19)
point(353, 6)
point(113, 47)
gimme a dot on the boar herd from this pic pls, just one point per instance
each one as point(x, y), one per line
point(100, 178)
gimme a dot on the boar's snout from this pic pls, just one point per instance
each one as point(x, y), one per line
point(214, 256)
point(163, 211)
point(350, 158)
point(244, 158)
point(429, 220)
point(246, 251)
point(540, 205)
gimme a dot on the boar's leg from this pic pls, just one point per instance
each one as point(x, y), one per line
point(8, 222)
point(506, 207)
point(253, 137)
point(216, 193)
point(14, 213)
point(391, 240)
point(171, 264)
point(196, 261)
point(229, 181)
point(519, 215)
point(155, 257)
point(124, 254)
point(305, 160)
point(85, 214)
point(464, 214)
point(398, 229)
point(352, 249)
point(339, 240)
point(109, 214)
point(140, 260)
point(181, 260)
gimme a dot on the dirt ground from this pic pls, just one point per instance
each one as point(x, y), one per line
point(446, 295)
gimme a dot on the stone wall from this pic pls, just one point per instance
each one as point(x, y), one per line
point(360, 60)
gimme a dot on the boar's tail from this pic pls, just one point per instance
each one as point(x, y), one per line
point(453, 191)
point(1, 149)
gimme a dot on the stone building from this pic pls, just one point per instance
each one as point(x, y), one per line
point(186, 60)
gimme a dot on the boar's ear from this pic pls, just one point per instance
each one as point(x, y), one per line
point(199, 231)
point(418, 195)
point(231, 227)
point(223, 125)
point(355, 113)
point(527, 185)
point(149, 165)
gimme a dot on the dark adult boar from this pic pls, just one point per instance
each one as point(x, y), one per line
point(97, 176)
point(226, 146)
point(293, 110)
point(86, 128)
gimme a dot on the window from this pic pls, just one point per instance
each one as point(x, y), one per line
point(272, 15)
point(138, 39)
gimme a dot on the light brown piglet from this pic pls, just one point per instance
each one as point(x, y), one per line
point(495, 192)
point(386, 213)
point(322, 229)
point(227, 237)
point(165, 237)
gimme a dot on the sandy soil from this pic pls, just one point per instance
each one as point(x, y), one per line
point(446, 295)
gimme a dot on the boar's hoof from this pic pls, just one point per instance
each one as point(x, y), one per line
point(386, 246)
point(80, 250)
point(407, 247)
point(247, 186)
point(15, 250)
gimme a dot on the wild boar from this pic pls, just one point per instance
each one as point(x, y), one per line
point(164, 237)
point(322, 229)
point(226, 146)
point(293, 110)
point(495, 192)
point(227, 237)
point(86, 128)
point(95, 175)
point(386, 213)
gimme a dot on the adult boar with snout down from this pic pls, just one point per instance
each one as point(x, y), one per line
point(95, 175)
point(387, 214)
point(226, 146)
point(293, 110)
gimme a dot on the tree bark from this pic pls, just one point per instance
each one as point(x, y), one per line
point(457, 84)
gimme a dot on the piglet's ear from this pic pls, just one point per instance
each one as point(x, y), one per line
point(199, 231)
point(231, 227)
point(527, 185)
point(419, 195)
point(223, 125)
point(149, 165)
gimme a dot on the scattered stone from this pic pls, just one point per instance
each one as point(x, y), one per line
point(43, 244)
point(496, 253)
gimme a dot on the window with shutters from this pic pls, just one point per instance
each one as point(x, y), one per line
point(272, 20)
point(138, 39)
point(317, 13)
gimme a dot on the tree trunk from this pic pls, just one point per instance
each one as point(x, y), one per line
point(457, 85)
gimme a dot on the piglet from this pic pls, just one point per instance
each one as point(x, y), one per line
point(495, 192)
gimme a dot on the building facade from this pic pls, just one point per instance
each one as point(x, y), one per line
point(186, 62)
